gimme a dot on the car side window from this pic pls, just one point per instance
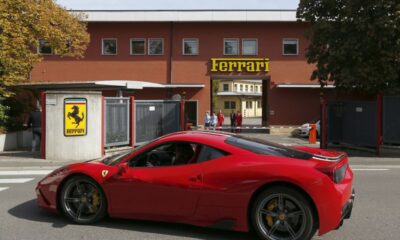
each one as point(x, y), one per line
point(169, 154)
point(209, 153)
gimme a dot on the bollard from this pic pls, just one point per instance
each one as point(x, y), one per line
point(312, 134)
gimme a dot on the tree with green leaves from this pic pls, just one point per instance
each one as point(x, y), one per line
point(354, 44)
point(23, 23)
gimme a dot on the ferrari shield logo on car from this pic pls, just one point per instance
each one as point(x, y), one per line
point(104, 173)
point(75, 117)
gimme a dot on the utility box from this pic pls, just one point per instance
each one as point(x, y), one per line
point(73, 125)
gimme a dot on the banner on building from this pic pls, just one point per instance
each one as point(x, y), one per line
point(75, 117)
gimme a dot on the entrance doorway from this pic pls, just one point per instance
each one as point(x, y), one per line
point(244, 95)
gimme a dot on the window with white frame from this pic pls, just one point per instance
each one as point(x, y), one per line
point(190, 46)
point(231, 46)
point(249, 47)
point(258, 104)
point(241, 87)
point(246, 87)
point(156, 46)
point(249, 104)
point(290, 46)
point(138, 46)
point(109, 46)
point(229, 105)
point(251, 88)
point(236, 88)
point(44, 48)
point(225, 87)
point(256, 88)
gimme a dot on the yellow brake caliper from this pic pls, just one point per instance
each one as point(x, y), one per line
point(95, 200)
point(271, 206)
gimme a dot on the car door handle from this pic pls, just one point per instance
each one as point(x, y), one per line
point(196, 178)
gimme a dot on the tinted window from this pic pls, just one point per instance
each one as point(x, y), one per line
point(209, 153)
point(265, 147)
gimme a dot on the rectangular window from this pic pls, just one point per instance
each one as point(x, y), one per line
point(156, 46)
point(233, 105)
point(138, 46)
point(246, 87)
point(251, 88)
point(109, 46)
point(241, 87)
point(249, 47)
point(236, 88)
point(231, 46)
point(249, 104)
point(256, 88)
point(226, 87)
point(44, 48)
point(258, 104)
point(227, 105)
point(290, 46)
point(190, 46)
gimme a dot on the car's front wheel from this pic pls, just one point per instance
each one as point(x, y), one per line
point(283, 213)
point(82, 200)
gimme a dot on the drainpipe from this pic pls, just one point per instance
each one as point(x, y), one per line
point(169, 62)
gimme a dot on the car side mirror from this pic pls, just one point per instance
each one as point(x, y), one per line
point(122, 168)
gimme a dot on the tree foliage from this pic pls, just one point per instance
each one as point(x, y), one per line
point(354, 43)
point(22, 24)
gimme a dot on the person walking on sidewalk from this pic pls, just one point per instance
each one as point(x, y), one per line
point(233, 121)
point(35, 122)
point(221, 119)
point(239, 119)
point(214, 121)
point(207, 121)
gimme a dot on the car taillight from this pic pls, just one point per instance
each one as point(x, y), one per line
point(339, 173)
point(336, 174)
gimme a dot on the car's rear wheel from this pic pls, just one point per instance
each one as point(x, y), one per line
point(82, 200)
point(283, 213)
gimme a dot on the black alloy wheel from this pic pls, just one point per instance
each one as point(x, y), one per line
point(283, 213)
point(82, 200)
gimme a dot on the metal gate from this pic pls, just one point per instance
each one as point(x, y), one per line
point(353, 123)
point(116, 121)
point(391, 119)
point(154, 118)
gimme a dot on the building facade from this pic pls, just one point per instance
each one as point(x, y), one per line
point(240, 95)
point(162, 54)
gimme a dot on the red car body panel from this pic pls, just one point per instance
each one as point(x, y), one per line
point(211, 192)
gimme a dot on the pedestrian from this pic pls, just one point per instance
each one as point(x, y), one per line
point(239, 119)
point(214, 121)
point(221, 119)
point(35, 122)
point(207, 121)
point(233, 121)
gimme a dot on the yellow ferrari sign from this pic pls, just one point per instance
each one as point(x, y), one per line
point(75, 116)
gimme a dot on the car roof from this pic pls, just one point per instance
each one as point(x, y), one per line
point(201, 136)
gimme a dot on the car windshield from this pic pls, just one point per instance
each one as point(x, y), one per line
point(260, 146)
point(116, 158)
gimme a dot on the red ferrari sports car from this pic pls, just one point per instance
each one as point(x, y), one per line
point(210, 179)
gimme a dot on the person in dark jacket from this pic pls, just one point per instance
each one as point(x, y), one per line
point(35, 122)
point(233, 121)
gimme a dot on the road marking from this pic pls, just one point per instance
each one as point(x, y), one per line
point(15, 180)
point(370, 169)
point(3, 188)
point(27, 172)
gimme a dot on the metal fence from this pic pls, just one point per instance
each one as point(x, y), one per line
point(116, 121)
point(155, 118)
point(391, 119)
point(353, 123)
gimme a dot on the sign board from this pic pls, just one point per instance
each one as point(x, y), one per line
point(75, 117)
point(251, 65)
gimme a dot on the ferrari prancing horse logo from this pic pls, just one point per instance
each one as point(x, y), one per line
point(104, 173)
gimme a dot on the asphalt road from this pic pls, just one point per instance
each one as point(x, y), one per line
point(376, 214)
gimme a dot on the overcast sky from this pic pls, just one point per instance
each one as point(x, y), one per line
point(177, 4)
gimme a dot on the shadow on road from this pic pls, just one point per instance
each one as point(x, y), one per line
point(29, 211)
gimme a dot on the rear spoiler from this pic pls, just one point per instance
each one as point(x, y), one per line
point(329, 159)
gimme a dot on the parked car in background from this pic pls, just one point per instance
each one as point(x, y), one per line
point(304, 130)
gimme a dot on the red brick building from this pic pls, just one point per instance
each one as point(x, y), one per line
point(173, 49)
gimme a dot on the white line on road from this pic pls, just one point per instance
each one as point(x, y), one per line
point(27, 172)
point(15, 180)
point(370, 169)
point(3, 188)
